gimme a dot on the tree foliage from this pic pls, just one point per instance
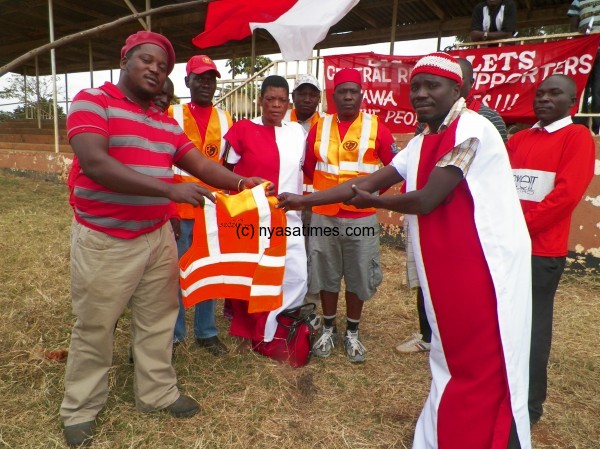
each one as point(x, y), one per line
point(244, 65)
point(24, 91)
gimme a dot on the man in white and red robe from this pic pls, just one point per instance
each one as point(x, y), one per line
point(472, 255)
point(273, 148)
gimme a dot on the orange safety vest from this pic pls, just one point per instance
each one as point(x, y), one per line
point(307, 185)
point(211, 144)
point(231, 253)
point(339, 161)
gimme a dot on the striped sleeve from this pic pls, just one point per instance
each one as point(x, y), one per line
point(88, 114)
point(182, 146)
point(574, 9)
point(496, 120)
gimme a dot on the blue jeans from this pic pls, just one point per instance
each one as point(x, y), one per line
point(204, 312)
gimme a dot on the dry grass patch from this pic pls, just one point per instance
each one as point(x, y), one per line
point(249, 401)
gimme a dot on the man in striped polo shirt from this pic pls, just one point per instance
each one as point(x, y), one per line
point(123, 250)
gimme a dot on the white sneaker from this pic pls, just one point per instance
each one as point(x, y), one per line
point(326, 342)
point(315, 321)
point(355, 350)
point(415, 343)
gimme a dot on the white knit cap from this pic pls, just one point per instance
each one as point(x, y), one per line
point(439, 64)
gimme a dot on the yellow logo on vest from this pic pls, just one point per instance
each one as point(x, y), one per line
point(350, 145)
point(211, 150)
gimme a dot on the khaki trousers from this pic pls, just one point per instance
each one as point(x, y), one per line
point(107, 274)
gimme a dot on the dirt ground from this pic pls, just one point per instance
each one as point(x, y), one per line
point(249, 401)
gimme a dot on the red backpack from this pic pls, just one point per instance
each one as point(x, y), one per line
point(294, 337)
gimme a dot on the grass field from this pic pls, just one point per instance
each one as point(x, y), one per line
point(249, 401)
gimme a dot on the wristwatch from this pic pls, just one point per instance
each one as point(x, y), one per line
point(485, 35)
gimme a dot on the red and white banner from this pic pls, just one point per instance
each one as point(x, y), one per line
point(505, 78)
point(296, 25)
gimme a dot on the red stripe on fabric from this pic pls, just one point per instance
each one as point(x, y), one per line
point(230, 19)
point(131, 213)
point(472, 411)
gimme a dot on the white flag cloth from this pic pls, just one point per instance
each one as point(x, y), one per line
point(304, 25)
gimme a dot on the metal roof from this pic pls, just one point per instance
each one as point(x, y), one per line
point(24, 26)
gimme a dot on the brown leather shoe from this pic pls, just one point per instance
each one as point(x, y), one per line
point(79, 435)
point(183, 407)
point(213, 345)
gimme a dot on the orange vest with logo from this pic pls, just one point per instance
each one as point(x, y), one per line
point(341, 160)
point(307, 185)
point(212, 144)
point(232, 253)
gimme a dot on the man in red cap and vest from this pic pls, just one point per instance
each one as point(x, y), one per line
point(205, 125)
point(472, 251)
point(344, 241)
point(123, 250)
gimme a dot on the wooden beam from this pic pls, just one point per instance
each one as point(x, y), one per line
point(181, 27)
point(435, 9)
point(73, 6)
point(365, 17)
point(75, 37)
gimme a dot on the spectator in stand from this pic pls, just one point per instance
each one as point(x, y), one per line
point(123, 251)
point(553, 163)
point(493, 20)
point(585, 18)
point(421, 342)
point(205, 125)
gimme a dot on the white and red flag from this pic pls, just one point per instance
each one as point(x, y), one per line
point(296, 25)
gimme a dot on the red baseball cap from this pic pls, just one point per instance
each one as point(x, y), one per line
point(199, 64)
point(148, 37)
